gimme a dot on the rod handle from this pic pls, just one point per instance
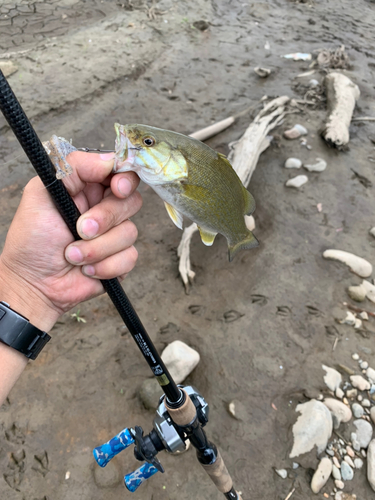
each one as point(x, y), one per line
point(104, 453)
point(134, 479)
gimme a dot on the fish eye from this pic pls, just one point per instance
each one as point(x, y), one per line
point(148, 141)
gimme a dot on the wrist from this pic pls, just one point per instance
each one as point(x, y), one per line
point(26, 300)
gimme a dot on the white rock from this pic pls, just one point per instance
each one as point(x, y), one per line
point(359, 397)
point(336, 473)
point(358, 265)
point(339, 393)
point(366, 403)
point(336, 462)
point(350, 452)
point(372, 231)
point(313, 428)
point(297, 182)
point(371, 464)
point(262, 72)
point(370, 372)
point(350, 319)
point(364, 432)
point(250, 222)
point(357, 293)
point(357, 410)
point(282, 473)
point(295, 132)
point(357, 323)
point(313, 83)
point(293, 163)
point(358, 462)
point(359, 382)
point(180, 360)
point(332, 378)
point(364, 365)
point(355, 356)
point(321, 474)
point(351, 393)
point(372, 414)
point(346, 472)
point(363, 315)
point(339, 484)
point(370, 290)
point(349, 461)
point(319, 166)
point(341, 412)
point(295, 465)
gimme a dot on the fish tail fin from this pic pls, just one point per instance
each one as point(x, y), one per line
point(248, 242)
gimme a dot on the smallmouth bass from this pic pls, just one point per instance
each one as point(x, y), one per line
point(192, 179)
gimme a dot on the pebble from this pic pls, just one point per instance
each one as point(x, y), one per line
point(282, 473)
point(336, 462)
point(330, 452)
point(339, 484)
point(313, 83)
point(321, 475)
point(372, 231)
point(359, 397)
point(293, 163)
point(8, 68)
point(250, 222)
point(363, 432)
point(349, 461)
point(355, 356)
point(370, 290)
point(350, 452)
point(346, 472)
point(339, 393)
point(340, 495)
point(366, 403)
point(238, 410)
point(180, 360)
point(345, 401)
point(372, 414)
point(359, 382)
point(371, 464)
point(358, 462)
point(364, 454)
point(341, 412)
point(359, 266)
point(313, 428)
point(297, 181)
point(349, 319)
point(357, 293)
point(370, 372)
point(351, 393)
point(364, 365)
point(363, 315)
point(295, 132)
point(319, 166)
point(295, 465)
point(262, 72)
point(332, 378)
point(358, 323)
point(336, 473)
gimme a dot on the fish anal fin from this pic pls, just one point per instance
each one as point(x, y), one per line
point(175, 215)
point(207, 236)
point(248, 242)
point(249, 202)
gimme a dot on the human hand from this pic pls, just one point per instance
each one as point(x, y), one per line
point(43, 271)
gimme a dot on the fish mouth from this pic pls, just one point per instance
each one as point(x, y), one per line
point(125, 151)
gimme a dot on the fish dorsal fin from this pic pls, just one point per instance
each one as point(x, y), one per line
point(225, 159)
point(206, 236)
point(175, 215)
point(249, 202)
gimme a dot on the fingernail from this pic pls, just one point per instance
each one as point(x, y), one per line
point(124, 186)
point(89, 228)
point(107, 156)
point(88, 270)
point(74, 254)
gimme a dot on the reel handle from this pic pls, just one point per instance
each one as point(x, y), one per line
point(134, 479)
point(104, 453)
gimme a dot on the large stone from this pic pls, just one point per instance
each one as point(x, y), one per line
point(321, 474)
point(364, 432)
point(150, 393)
point(357, 410)
point(346, 472)
point(340, 411)
point(332, 378)
point(371, 464)
point(313, 428)
point(370, 372)
point(361, 383)
point(180, 360)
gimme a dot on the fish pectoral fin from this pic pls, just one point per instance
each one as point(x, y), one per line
point(206, 236)
point(175, 215)
point(248, 242)
point(249, 202)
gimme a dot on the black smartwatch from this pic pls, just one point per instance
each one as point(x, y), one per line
point(17, 332)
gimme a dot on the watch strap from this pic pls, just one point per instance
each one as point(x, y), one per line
point(17, 332)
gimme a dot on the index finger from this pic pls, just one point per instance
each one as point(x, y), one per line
point(87, 167)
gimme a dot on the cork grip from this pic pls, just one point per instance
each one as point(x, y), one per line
point(184, 415)
point(219, 474)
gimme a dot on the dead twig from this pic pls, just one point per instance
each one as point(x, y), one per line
point(290, 494)
point(358, 309)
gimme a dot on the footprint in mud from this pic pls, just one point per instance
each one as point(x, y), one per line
point(15, 469)
point(169, 328)
point(332, 331)
point(41, 463)
point(283, 311)
point(15, 435)
point(259, 299)
point(89, 343)
point(196, 310)
point(231, 316)
point(314, 311)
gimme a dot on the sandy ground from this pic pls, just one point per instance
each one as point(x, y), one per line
point(82, 67)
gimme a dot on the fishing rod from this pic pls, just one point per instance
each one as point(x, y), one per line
point(182, 412)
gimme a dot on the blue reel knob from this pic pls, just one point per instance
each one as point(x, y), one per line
point(104, 453)
point(139, 476)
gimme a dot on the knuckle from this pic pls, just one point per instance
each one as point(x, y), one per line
point(132, 255)
point(131, 231)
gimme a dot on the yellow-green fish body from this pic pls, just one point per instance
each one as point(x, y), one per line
point(193, 180)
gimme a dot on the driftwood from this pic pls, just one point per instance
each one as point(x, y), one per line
point(342, 95)
point(244, 155)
